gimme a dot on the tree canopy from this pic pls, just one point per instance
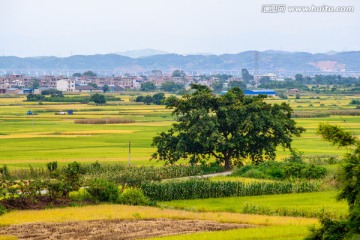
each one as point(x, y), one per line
point(178, 73)
point(349, 227)
point(239, 84)
point(246, 76)
point(98, 99)
point(89, 74)
point(171, 86)
point(148, 87)
point(230, 127)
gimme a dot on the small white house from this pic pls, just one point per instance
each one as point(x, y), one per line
point(65, 85)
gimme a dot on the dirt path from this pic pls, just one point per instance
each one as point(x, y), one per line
point(114, 229)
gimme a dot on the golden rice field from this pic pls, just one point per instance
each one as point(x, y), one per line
point(46, 137)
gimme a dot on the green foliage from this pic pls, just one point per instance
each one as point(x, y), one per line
point(355, 102)
point(103, 191)
point(178, 74)
point(105, 88)
point(133, 196)
point(52, 166)
point(98, 99)
point(193, 189)
point(217, 86)
point(72, 177)
point(76, 75)
point(222, 77)
point(336, 135)
point(238, 84)
point(282, 95)
point(148, 87)
point(57, 188)
point(4, 172)
point(157, 99)
point(171, 86)
point(135, 176)
point(227, 127)
point(52, 92)
point(330, 230)
point(2, 210)
point(89, 74)
point(35, 97)
point(281, 170)
point(348, 228)
point(246, 77)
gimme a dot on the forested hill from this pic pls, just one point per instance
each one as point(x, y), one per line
point(267, 61)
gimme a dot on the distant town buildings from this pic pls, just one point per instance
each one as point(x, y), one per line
point(20, 84)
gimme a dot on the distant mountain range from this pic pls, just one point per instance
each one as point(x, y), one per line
point(141, 53)
point(261, 62)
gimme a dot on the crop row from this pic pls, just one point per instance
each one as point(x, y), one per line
point(193, 189)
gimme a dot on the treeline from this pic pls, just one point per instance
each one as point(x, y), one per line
point(157, 99)
point(60, 98)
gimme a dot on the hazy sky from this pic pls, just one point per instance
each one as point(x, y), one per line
point(62, 27)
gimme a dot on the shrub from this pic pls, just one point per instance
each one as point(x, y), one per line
point(292, 167)
point(80, 195)
point(254, 173)
point(103, 191)
point(4, 172)
point(52, 166)
point(133, 196)
point(72, 177)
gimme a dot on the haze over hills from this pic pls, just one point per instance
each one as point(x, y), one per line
point(141, 53)
point(266, 61)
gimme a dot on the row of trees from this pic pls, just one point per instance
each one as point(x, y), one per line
point(170, 86)
point(56, 96)
point(157, 99)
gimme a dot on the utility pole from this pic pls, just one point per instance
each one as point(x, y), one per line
point(129, 157)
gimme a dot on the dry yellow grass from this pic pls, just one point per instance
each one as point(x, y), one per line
point(106, 211)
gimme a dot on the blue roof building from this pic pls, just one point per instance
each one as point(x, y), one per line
point(268, 92)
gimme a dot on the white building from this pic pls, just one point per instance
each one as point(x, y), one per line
point(65, 85)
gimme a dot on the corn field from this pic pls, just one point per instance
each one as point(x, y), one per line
point(193, 189)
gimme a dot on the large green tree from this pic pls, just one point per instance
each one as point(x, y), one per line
point(228, 127)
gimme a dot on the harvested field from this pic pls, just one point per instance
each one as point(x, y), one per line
point(114, 229)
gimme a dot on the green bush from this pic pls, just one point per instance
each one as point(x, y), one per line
point(80, 195)
point(133, 196)
point(330, 230)
point(103, 191)
point(292, 167)
point(254, 173)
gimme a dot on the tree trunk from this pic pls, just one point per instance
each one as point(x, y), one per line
point(227, 163)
